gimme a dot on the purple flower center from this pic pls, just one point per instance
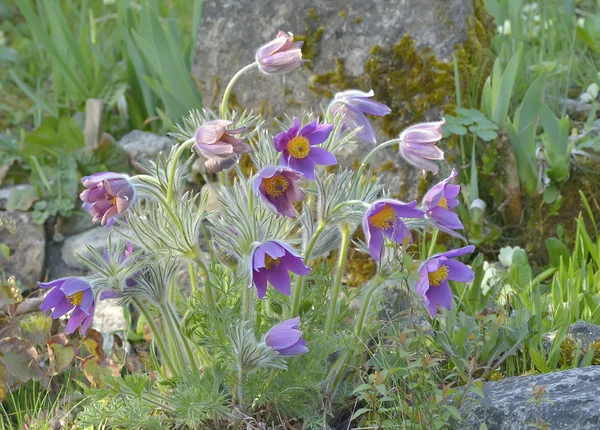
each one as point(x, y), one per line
point(276, 185)
point(385, 218)
point(299, 147)
point(443, 203)
point(76, 298)
point(439, 276)
point(271, 262)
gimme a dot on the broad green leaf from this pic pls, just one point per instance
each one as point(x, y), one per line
point(550, 193)
point(61, 353)
point(20, 359)
point(539, 361)
point(502, 94)
point(95, 369)
point(556, 251)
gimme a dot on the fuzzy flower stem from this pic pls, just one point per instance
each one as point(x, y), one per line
point(182, 337)
point(335, 288)
point(192, 272)
point(371, 154)
point(433, 241)
point(247, 303)
point(174, 339)
point(171, 185)
point(230, 86)
point(156, 335)
point(300, 280)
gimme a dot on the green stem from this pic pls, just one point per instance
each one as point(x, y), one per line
point(335, 288)
point(247, 304)
point(192, 273)
point(171, 184)
point(300, 280)
point(173, 338)
point(230, 86)
point(156, 335)
point(371, 154)
point(434, 236)
point(184, 339)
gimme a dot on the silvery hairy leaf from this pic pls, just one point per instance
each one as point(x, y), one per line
point(195, 120)
point(252, 355)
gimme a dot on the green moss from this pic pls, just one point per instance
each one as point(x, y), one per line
point(311, 46)
point(312, 14)
point(568, 348)
point(342, 14)
point(411, 82)
point(358, 20)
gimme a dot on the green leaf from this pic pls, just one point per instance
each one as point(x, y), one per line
point(61, 353)
point(550, 193)
point(502, 92)
point(556, 251)
point(486, 135)
point(539, 361)
point(360, 412)
point(22, 198)
point(20, 359)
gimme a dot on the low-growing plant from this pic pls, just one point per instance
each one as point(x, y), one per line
point(229, 348)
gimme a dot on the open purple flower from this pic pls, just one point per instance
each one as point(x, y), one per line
point(385, 218)
point(280, 55)
point(354, 105)
point(271, 261)
point(299, 150)
point(435, 273)
point(217, 144)
point(286, 339)
point(277, 188)
point(123, 260)
point(70, 294)
point(106, 196)
point(418, 145)
point(437, 203)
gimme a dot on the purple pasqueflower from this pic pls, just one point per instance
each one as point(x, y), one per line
point(384, 217)
point(277, 188)
point(286, 339)
point(106, 196)
point(417, 145)
point(280, 55)
point(437, 203)
point(68, 294)
point(435, 273)
point(123, 260)
point(271, 261)
point(217, 144)
point(354, 105)
point(298, 147)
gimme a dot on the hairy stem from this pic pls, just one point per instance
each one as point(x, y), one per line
point(171, 184)
point(335, 288)
point(230, 86)
point(300, 281)
point(156, 335)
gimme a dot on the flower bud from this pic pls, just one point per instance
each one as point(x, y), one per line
point(280, 55)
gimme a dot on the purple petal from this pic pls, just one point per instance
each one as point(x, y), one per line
point(320, 134)
point(322, 156)
point(283, 337)
point(352, 94)
point(62, 308)
point(108, 294)
point(458, 271)
point(309, 128)
point(52, 284)
point(303, 165)
point(446, 218)
point(375, 242)
point(74, 285)
point(295, 264)
point(296, 349)
point(279, 277)
point(52, 299)
point(441, 295)
point(75, 320)
point(457, 252)
point(398, 232)
point(370, 107)
point(259, 278)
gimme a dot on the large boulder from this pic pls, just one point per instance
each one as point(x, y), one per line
point(561, 400)
point(400, 49)
point(26, 242)
point(144, 147)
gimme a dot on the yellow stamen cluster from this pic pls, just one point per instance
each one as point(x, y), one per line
point(439, 276)
point(299, 147)
point(443, 203)
point(385, 218)
point(76, 298)
point(271, 262)
point(276, 186)
point(111, 199)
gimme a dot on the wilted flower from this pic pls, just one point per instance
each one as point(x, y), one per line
point(286, 339)
point(418, 145)
point(218, 145)
point(123, 259)
point(437, 203)
point(384, 218)
point(354, 105)
point(70, 294)
point(278, 190)
point(106, 196)
point(298, 147)
point(435, 273)
point(280, 55)
point(270, 261)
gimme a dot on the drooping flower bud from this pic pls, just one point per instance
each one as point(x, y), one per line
point(418, 145)
point(286, 339)
point(106, 196)
point(217, 144)
point(280, 55)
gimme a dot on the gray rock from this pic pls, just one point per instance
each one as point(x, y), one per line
point(346, 30)
point(143, 147)
point(5, 193)
point(27, 243)
point(97, 238)
point(77, 223)
point(108, 317)
point(570, 400)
